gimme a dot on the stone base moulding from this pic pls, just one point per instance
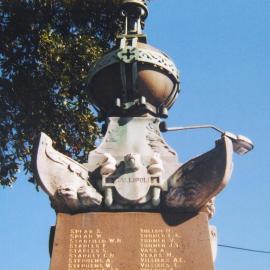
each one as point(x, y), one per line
point(131, 240)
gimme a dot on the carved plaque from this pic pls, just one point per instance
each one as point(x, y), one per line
point(130, 241)
point(133, 186)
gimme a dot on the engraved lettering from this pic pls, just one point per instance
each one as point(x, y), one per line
point(88, 249)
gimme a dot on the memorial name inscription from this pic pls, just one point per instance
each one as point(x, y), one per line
point(134, 241)
point(157, 249)
point(88, 249)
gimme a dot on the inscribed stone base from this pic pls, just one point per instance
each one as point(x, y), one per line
point(131, 241)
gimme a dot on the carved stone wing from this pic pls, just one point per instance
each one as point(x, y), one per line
point(63, 179)
point(202, 178)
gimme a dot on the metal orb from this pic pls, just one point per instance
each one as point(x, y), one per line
point(129, 73)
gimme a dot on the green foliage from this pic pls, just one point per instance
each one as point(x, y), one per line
point(46, 48)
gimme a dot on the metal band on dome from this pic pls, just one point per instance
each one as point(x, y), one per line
point(144, 56)
point(160, 60)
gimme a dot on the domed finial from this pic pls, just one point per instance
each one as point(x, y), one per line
point(134, 79)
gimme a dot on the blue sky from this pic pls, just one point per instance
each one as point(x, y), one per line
point(222, 49)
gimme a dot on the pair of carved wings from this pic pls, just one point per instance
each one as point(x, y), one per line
point(190, 187)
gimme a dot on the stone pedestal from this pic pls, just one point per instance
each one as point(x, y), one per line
point(131, 241)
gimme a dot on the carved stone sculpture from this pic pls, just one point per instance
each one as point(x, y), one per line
point(65, 181)
point(126, 178)
point(199, 180)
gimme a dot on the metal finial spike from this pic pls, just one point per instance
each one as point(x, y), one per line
point(135, 6)
point(135, 12)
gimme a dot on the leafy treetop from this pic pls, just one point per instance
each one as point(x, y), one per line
point(46, 49)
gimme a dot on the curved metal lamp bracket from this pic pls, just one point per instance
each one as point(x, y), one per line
point(241, 144)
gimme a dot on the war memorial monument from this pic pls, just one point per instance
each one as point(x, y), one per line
point(134, 205)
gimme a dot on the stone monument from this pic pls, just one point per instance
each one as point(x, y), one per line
point(133, 205)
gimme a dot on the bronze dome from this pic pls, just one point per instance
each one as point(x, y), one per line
point(131, 74)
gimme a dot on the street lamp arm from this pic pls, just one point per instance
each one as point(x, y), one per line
point(164, 128)
point(241, 144)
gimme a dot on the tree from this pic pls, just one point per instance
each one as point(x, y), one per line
point(46, 49)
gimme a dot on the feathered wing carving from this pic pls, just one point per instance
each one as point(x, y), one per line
point(63, 179)
point(202, 178)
